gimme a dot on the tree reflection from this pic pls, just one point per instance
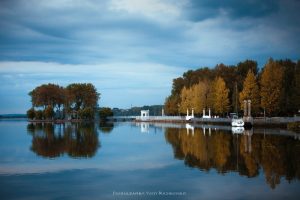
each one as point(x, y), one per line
point(106, 127)
point(77, 140)
point(246, 154)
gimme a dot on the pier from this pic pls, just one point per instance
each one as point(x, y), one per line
point(259, 121)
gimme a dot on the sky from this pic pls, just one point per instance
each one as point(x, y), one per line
point(132, 49)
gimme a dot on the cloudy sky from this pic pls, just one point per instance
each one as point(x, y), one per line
point(132, 49)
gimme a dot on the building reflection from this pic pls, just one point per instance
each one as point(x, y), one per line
point(145, 127)
point(79, 140)
point(248, 154)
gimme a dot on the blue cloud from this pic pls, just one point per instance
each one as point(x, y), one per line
point(179, 35)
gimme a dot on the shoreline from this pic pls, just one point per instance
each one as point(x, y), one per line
point(58, 121)
point(267, 125)
point(275, 122)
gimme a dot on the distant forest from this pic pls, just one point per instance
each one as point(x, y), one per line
point(6, 116)
point(154, 110)
point(274, 90)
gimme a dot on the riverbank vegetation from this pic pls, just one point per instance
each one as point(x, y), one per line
point(105, 112)
point(155, 110)
point(51, 101)
point(273, 90)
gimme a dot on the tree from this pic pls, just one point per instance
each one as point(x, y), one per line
point(31, 113)
point(296, 89)
point(86, 113)
point(171, 105)
point(48, 95)
point(243, 68)
point(78, 97)
point(178, 84)
point(82, 95)
point(221, 102)
point(271, 87)
point(105, 112)
point(250, 91)
point(39, 114)
point(49, 112)
point(186, 95)
point(199, 99)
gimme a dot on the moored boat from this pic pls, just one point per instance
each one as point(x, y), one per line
point(237, 122)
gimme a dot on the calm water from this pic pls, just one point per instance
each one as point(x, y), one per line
point(146, 161)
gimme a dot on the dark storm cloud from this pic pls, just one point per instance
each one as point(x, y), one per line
point(42, 33)
point(90, 31)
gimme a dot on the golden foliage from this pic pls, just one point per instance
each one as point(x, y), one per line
point(250, 91)
point(221, 101)
point(271, 87)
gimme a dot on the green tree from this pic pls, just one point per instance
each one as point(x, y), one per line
point(250, 91)
point(31, 113)
point(244, 67)
point(271, 87)
point(221, 102)
point(86, 113)
point(171, 105)
point(105, 112)
point(296, 89)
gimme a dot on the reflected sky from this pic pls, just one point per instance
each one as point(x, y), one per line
point(126, 148)
point(139, 157)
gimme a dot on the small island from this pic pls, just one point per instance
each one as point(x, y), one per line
point(75, 103)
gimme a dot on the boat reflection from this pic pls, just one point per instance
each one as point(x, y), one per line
point(79, 140)
point(237, 130)
point(244, 152)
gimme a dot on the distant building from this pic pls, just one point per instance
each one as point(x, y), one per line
point(144, 114)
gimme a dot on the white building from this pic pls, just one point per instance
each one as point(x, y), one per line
point(144, 114)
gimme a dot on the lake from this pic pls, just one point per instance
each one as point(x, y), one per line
point(146, 161)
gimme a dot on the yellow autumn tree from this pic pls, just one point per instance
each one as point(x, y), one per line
point(211, 96)
point(171, 107)
point(250, 91)
point(221, 101)
point(185, 96)
point(271, 87)
point(199, 96)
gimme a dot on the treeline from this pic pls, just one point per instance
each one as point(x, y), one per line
point(77, 100)
point(12, 116)
point(275, 89)
point(154, 110)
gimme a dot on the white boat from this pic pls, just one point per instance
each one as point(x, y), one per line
point(237, 122)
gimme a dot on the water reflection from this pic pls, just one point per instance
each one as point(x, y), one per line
point(243, 152)
point(79, 140)
point(106, 127)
